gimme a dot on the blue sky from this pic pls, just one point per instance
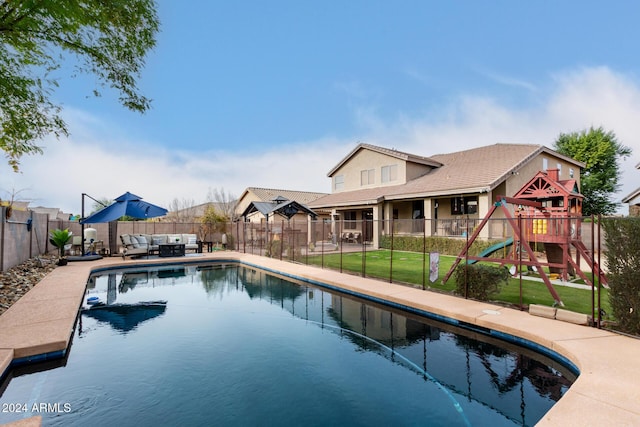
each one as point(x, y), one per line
point(274, 94)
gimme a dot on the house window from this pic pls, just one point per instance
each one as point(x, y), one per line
point(367, 177)
point(338, 182)
point(464, 205)
point(559, 167)
point(350, 220)
point(571, 173)
point(545, 164)
point(389, 173)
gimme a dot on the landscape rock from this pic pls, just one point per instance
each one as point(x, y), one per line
point(18, 280)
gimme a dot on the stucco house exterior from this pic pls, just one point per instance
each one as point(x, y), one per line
point(633, 200)
point(257, 195)
point(433, 196)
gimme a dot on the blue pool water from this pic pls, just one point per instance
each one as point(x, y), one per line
point(237, 346)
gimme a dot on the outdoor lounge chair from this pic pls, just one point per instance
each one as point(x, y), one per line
point(132, 248)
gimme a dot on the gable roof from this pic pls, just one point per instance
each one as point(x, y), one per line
point(286, 208)
point(477, 170)
point(632, 196)
point(407, 157)
point(271, 194)
point(545, 184)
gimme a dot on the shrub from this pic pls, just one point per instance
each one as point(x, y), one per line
point(443, 245)
point(479, 281)
point(274, 249)
point(623, 264)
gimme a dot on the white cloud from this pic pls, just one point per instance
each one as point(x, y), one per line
point(574, 101)
point(105, 166)
point(98, 162)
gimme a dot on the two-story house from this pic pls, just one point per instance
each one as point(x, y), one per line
point(376, 188)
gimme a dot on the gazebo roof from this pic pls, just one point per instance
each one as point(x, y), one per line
point(280, 206)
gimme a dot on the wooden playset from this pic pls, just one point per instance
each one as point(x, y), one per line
point(548, 212)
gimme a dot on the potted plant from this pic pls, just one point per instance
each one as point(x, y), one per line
point(59, 238)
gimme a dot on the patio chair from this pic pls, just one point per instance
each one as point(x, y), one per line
point(133, 249)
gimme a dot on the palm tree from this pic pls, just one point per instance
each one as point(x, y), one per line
point(59, 238)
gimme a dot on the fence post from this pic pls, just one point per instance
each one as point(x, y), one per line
point(424, 253)
point(339, 239)
point(593, 269)
point(2, 237)
point(520, 257)
point(292, 237)
point(281, 238)
point(599, 273)
point(391, 257)
point(363, 226)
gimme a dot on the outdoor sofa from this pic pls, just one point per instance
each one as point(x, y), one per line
point(147, 244)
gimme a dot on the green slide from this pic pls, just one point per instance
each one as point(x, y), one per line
point(494, 248)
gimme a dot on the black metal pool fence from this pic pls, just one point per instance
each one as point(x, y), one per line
point(421, 245)
point(409, 245)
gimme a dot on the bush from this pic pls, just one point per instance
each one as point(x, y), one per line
point(274, 249)
point(443, 245)
point(479, 281)
point(623, 264)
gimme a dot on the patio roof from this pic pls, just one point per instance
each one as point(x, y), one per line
point(281, 206)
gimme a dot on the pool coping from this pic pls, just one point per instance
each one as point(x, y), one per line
point(40, 326)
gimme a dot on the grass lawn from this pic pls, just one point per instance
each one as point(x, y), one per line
point(408, 268)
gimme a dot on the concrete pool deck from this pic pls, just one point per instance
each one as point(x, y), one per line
point(607, 391)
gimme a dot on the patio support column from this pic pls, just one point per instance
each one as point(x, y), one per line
point(388, 215)
point(484, 204)
point(377, 224)
point(428, 217)
point(311, 230)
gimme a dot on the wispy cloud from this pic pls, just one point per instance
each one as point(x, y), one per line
point(99, 160)
point(507, 80)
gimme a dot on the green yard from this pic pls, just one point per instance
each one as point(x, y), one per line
point(408, 268)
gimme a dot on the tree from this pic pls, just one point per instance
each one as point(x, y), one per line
point(224, 201)
point(109, 39)
point(182, 210)
point(213, 221)
point(623, 265)
point(599, 151)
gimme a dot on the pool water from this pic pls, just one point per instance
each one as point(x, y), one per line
point(237, 346)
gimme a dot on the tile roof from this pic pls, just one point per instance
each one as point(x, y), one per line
point(270, 194)
point(408, 157)
point(469, 171)
point(631, 196)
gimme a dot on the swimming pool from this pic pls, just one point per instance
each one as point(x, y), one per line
point(237, 346)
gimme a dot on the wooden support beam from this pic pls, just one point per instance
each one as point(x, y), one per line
point(524, 202)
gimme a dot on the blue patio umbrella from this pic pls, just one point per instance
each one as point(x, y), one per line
point(126, 205)
point(126, 317)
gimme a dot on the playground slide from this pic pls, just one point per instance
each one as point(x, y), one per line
point(493, 248)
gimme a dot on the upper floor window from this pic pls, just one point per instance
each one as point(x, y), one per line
point(559, 167)
point(571, 173)
point(338, 182)
point(367, 177)
point(389, 173)
point(545, 164)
